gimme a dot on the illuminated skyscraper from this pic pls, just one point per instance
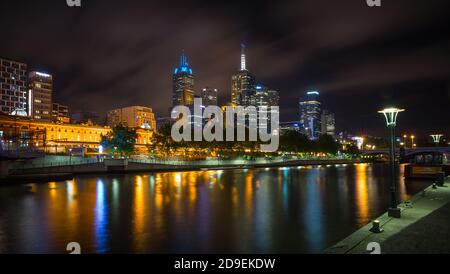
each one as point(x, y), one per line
point(13, 87)
point(310, 114)
point(273, 98)
point(40, 88)
point(328, 123)
point(209, 96)
point(243, 84)
point(183, 84)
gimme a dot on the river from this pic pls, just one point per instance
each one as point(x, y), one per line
point(277, 210)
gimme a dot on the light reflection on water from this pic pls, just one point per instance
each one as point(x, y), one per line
point(277, 210)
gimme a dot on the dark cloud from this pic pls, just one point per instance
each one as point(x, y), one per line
point(109, 54)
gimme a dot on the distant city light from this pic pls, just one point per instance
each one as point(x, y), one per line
point(313, 93)
point(43, 74)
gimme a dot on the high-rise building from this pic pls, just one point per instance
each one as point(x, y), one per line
point(60, 114)
point(40, 92)
point(243, 84)
point(183, 84)
point(273, 97)
point(328, 123)
point(134, 116)
point(261, 96)
point(13, 87)
point(310, 114)
point(209, 96)
point(291, 126)
point(266, 97)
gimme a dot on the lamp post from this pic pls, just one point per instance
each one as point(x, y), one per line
point(436, 138)
point(391, 121)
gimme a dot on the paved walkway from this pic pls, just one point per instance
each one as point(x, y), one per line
point(423, 228)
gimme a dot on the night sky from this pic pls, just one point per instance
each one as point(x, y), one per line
point(110, 54)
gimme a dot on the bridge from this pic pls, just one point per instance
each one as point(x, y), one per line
point(408, 151)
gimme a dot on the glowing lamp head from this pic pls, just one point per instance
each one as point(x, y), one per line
point(391, 115)
point(437, 138)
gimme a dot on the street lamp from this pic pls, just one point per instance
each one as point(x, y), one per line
point(436, 138)
point(391, 121)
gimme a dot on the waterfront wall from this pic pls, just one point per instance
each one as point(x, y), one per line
point(100, 167)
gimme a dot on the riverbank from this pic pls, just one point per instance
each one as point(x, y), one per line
point(136, 166)
point(423, 228)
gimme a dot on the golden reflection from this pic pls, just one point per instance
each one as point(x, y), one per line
point(159, 196)
point(362, 193)
point(72, 207)
point(249, 193)
point(139, 205)
point(52, 188)
point(192, 190)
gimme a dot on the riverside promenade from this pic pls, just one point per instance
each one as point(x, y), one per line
point(424, 228)
point(89, 166)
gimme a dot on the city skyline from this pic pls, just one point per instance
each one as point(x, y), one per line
point(228, 135)
point(82, 79)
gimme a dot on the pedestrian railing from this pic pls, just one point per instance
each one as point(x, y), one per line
point(43, 163)
point(46, 164)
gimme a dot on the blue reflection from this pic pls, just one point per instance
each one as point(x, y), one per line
point(101, 218)
point(313, 211)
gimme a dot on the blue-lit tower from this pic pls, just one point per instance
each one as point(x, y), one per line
point(183, 83)
point(310, 114)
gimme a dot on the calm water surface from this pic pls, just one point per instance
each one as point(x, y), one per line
point(278, 210)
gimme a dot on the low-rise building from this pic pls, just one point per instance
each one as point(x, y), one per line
point(134, 116)
point(24, 132)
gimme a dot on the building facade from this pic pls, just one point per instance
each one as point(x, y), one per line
point(24, 132)
point(134, 116)
point(183, 84)
point(209, 96)
point(273, 97)
point(13, 87)
point(60, 114)
point(40, 92)
point(291, 126)
point(310, 114)
point(243, 84)
point(328, 123)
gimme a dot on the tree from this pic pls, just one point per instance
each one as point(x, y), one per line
point(120, 140)
point(327, 144)
point(352, 149)
point(294, 141)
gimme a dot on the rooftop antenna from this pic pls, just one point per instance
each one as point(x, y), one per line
point(243, 60)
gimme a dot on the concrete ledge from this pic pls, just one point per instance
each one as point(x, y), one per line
point(420, 206)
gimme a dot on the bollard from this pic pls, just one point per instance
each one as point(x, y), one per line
point(440, 178)
point(376, 227)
